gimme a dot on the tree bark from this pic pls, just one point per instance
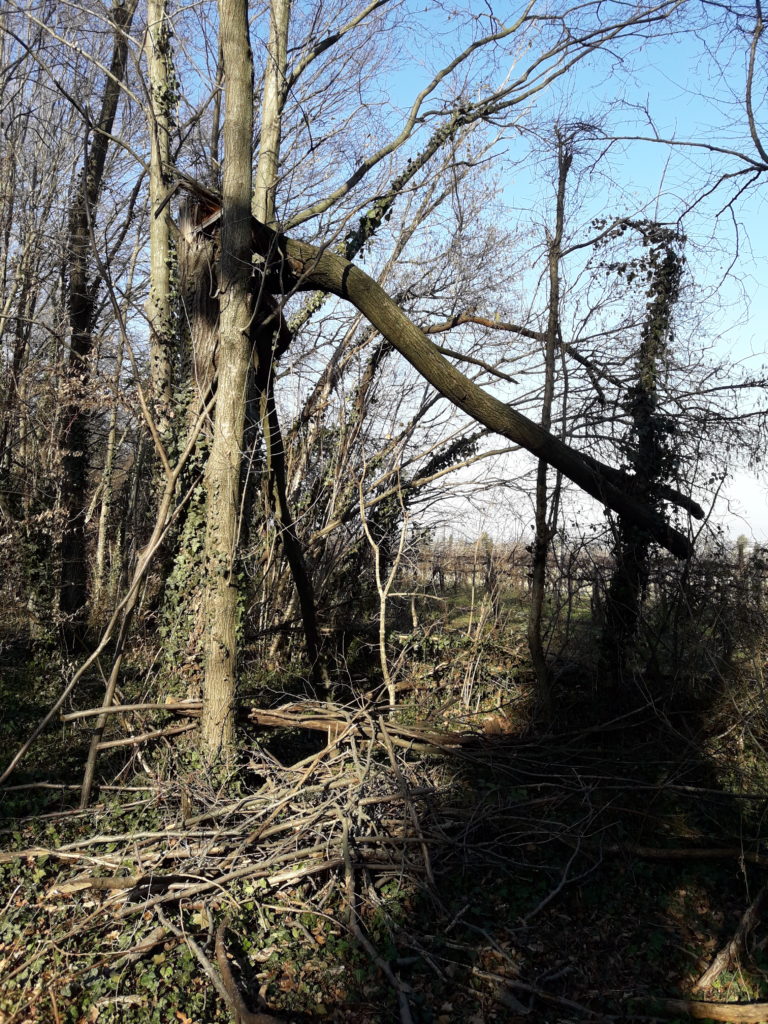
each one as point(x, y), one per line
point(222, 482)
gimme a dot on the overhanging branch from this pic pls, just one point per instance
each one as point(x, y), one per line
point(305, 267)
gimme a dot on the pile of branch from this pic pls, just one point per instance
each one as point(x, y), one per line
point(357, 812)
point(366, 808)
point(322, 717)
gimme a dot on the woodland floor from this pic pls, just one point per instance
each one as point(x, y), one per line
point(585, 873)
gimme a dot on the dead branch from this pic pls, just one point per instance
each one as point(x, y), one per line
point(132, 741)
point(354, 926)
point(742, 1013)
point(190, 707)
point(232, 995)
point(684, 853)
point(732, 952)
point(312, 268)
point(297, 717)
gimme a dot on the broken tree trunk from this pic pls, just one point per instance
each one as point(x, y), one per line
point(300, 266)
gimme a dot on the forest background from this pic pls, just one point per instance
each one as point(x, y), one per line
point(377, 379)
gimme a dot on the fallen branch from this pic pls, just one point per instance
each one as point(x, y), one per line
point(742, 1013)
point(684, 853)
point(133, 741)
point(8, 857)
point(293, 717)
point(234, 1003)
point(138, 884)
point(251, 871)
point(191, 707)
point(731, 954)
point(539, 993)
point(308, 267)
point(232, 994)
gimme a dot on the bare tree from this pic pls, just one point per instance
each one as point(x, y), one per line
point(289, 266)
point(358, 180)
point(82, 297)
point(543, 525)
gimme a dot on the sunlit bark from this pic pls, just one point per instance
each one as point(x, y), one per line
point(222, 482)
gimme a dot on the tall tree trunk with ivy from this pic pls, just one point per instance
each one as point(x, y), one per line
point(650, 450)
point(183, 600)
point(544, 527)
point(163, 90)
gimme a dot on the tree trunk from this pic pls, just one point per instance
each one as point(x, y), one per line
point(544, 529)
point(222, 481)
point(100, 595)
point(275, 485)
point(272, 103)
point(82, 305)
point(271, 336)
point(651, 453)
point(162, 95)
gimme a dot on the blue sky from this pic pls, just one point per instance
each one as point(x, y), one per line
point(689, 88)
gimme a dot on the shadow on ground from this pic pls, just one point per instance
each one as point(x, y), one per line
point(580, 875)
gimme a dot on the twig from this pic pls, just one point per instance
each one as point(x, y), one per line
point(407, 800)
point(564, 880)
point(202, 959)
point(251, 871)
point(541, 993)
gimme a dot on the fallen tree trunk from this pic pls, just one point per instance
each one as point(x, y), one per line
point(290, 266)
point(300, 266)
point(302, 717)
